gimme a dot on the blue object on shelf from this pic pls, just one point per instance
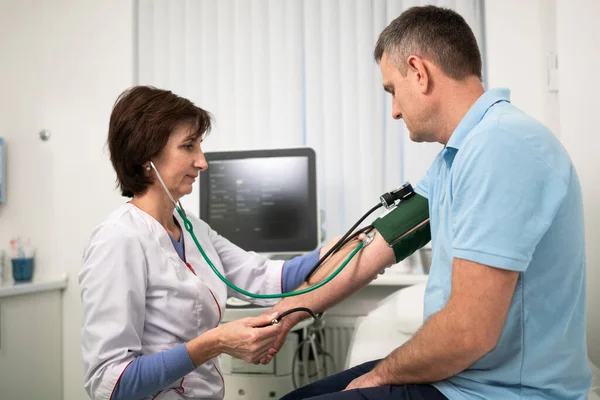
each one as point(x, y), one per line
point(22, 269)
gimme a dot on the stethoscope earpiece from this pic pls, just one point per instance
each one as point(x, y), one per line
point(176, 204)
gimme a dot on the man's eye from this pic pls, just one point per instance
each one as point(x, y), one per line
point(188, 146)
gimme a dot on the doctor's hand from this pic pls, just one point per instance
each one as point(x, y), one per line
point(245, 340)
point(286, 325)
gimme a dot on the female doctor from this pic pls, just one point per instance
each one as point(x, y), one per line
point(151, 304)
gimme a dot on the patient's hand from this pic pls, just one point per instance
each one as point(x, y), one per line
point(364, 381)
point(291, 320)
point(287, 323)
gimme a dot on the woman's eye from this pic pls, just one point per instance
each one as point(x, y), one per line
point(188, 146)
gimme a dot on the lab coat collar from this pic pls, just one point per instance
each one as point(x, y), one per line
point(160, 234)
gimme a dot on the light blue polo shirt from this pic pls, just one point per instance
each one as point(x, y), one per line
point(504, 193)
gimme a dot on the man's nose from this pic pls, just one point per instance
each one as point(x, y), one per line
point(396, 114)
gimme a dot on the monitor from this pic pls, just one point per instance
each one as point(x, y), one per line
point(262, 200)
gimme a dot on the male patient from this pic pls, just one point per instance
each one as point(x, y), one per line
point(505, 299)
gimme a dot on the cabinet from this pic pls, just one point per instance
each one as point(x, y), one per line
point(31, 341)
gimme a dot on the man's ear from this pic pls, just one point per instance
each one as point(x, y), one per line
point(418, 68)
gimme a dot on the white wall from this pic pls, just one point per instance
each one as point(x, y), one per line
point(519, 37)
point(64, 62)
point(578, 37)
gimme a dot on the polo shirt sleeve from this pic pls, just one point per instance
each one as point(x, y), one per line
point(422, 187)
point(504, 198)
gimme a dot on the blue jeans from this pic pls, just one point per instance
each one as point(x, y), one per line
point(331, 388)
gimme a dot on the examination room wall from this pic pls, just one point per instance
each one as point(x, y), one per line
point(62, 65)
point(578, 34)
point(517, 58)
point(68, 60)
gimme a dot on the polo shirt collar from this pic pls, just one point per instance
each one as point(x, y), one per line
point(475, 114)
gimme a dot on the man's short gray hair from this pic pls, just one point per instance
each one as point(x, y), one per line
point(437, 34)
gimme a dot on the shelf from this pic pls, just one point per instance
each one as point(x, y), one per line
point(392, 279)
point(37, 285)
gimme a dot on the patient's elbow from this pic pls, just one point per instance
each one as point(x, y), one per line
point(477, 342)
point(486, 344)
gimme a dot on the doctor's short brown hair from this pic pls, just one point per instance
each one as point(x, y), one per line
point(142, 120)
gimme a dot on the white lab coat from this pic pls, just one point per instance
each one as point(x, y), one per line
point(139, 297)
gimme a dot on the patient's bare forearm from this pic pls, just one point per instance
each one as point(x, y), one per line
point(468, 327)
point(440, 349)
point(363, 268)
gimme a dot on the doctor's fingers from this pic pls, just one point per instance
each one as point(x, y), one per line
point(263, 345)
point(261, 353)
point(268, 332)
point(253, 345)
point(261, 320)
point(267, 359)
point(253, 352)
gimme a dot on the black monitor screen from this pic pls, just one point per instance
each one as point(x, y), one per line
point(263, 200)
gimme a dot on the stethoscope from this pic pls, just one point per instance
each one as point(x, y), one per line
point(387, 202)
point(190, 229)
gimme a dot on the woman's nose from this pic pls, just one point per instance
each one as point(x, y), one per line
point(201, 162)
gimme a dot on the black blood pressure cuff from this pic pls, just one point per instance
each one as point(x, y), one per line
point(406, 228)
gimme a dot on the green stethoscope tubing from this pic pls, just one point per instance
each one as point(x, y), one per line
point(188, 227)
